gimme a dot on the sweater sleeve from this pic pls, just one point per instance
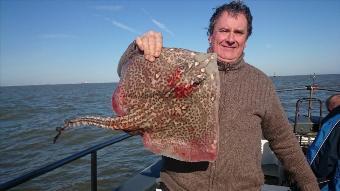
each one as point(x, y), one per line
point(277, 130)
point(129, 52)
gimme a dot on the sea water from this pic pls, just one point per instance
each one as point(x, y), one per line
point(30, 114)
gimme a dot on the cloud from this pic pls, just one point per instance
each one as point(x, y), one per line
point(162, 26)
point(158, 23)
point(109, 7)
point(122, 26)
point(56, 36)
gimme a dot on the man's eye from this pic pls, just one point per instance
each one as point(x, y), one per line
point(224, 30)
point(240, 32)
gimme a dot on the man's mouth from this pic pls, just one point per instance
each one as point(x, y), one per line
point(226, 46)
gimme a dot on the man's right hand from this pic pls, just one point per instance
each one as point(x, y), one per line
point(151, 43)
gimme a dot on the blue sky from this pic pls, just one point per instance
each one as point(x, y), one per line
point(73, 41)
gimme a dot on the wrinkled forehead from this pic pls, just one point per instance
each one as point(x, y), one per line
point(234, 20)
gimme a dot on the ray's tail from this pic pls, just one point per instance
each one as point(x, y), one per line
point(103, 122)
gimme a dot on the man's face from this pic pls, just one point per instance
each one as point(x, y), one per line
point(229, 36)
point(334, 102)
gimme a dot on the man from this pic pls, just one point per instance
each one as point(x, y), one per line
point(332, 102)
point(249, 109)
point(324, 153)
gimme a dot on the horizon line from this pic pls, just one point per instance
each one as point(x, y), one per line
point(78, 83)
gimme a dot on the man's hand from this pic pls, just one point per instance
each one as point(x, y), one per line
point(151, 43)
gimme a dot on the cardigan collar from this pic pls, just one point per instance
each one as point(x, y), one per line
point(229, 66)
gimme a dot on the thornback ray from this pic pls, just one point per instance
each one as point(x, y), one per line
point(173, 102)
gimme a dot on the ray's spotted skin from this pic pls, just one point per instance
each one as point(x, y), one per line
point(172, 101)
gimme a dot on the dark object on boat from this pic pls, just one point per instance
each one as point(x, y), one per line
point(307, 123)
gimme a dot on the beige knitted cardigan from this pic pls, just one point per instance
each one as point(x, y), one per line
point(249, 110)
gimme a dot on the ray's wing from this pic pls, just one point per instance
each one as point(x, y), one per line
point(181, 91)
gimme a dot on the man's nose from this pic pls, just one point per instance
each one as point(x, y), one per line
point(231, 38)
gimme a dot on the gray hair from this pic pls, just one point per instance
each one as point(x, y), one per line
point(234, 8)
